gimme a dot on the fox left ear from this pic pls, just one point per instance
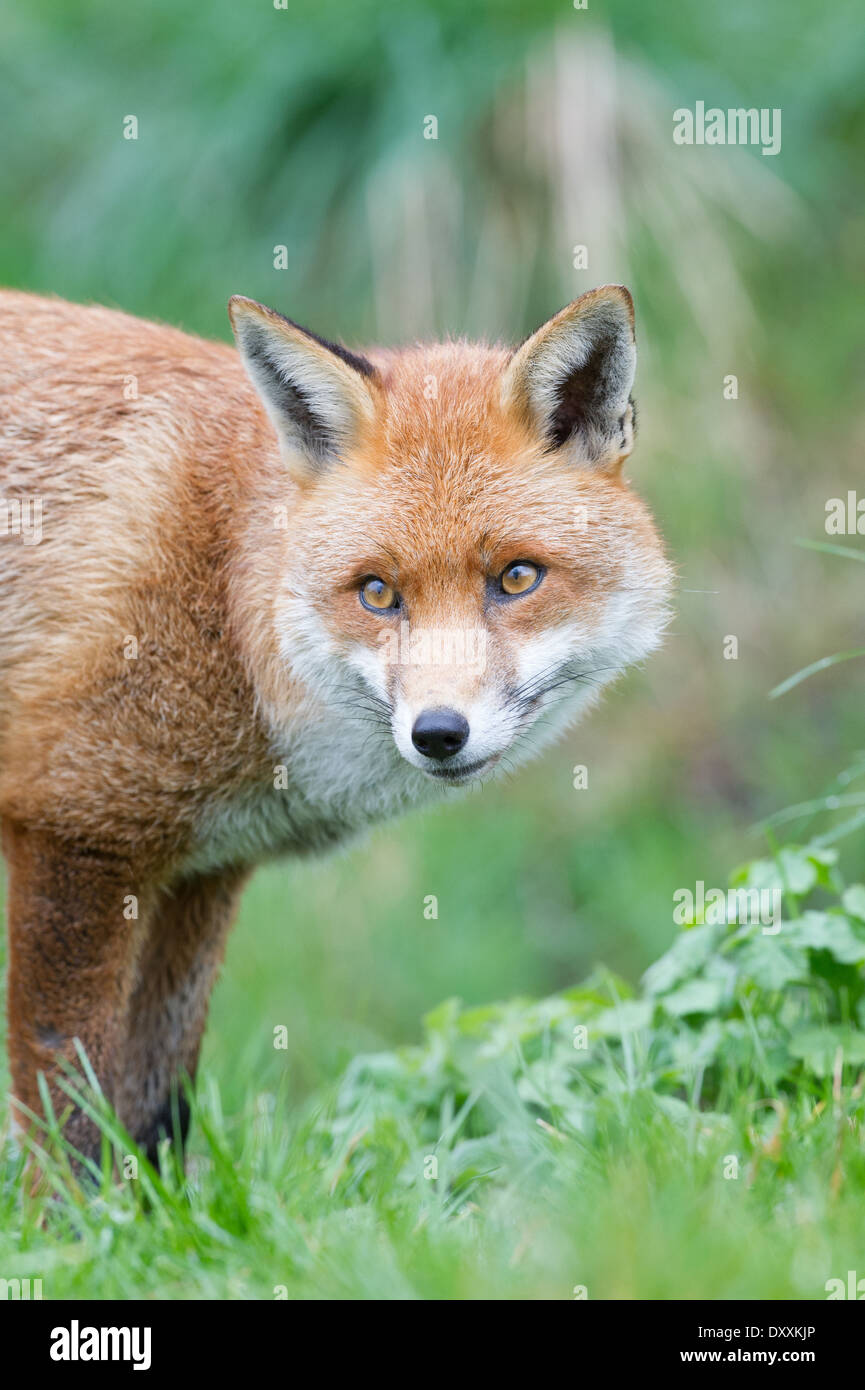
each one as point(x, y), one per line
point(572, 379)
point(317, 394)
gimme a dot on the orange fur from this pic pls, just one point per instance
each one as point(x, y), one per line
point(186, 638)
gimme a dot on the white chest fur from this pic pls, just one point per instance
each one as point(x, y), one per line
point(328, 783)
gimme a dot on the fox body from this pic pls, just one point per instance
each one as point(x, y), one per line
point(279, 593)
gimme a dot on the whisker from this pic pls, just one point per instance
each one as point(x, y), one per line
point(532, 691)
point(541, 681)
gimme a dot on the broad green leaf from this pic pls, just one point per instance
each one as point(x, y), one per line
point(795, 870)
point(818, 1048)
point(685, 957)
point(695, 997)
point(770, 963)
point(853, 899)
point(827, 931)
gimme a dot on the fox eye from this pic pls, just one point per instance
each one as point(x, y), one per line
point(378, 596)
point(520, 577)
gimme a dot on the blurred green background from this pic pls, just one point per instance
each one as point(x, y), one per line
point(304, 128)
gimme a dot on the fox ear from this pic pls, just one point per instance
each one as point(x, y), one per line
point(572, 379)
point(316, 393)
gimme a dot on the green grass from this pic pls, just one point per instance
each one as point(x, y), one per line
point(702, 1139)
point(643, 1211)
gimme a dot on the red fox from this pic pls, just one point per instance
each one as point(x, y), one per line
point(274, 595)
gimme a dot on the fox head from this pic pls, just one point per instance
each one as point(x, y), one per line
point(466, 566)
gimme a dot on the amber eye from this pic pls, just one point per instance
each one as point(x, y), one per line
point(520, 577)
point(378, 596)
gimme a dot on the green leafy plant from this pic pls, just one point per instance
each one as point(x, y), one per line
point(729, 1008)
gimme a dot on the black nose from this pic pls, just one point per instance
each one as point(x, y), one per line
point(439, 733)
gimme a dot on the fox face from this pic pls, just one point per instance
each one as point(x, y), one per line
point(465, 567)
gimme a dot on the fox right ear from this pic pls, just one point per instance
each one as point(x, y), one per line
point(316, 393)
point(571, 381)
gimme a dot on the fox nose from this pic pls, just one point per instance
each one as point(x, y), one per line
point(439, 733)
